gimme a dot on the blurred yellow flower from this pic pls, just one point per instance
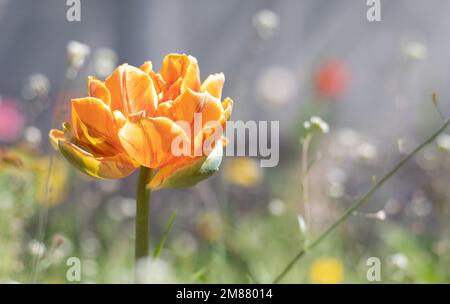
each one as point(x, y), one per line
point(50, 185)
point(327, 271)
point(33, 167)
point(7, 159)
point(243, 171)
point(210, 226)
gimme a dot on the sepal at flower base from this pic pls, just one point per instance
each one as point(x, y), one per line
point(187, 172)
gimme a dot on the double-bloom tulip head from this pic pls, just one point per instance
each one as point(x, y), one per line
point(132, 119)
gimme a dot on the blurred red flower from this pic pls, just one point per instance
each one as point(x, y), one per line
point(332, 78)
point(12, 120)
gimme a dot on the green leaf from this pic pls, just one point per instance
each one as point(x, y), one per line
point(163, 240)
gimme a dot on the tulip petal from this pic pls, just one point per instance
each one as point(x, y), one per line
point(187, 104)
point(227, 105)
point(213, 85)
point(132, 90)
point(158, 82)
point(149, 140)
point(119, 118)
point(176, 66)
point(173, 92)
point(114, 85)
point(187, 172)
point(117, 166)
point(147, 67)
point(92, 117)
point(212, 110)
point(98, 89)
point(214, 125)
point(55, 136)
point(164, 110)
point(139, 91)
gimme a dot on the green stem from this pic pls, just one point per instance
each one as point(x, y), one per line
point(142, 214)
point(305, 181)
point(359, 202)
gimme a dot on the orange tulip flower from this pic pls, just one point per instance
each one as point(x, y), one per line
point(131, 120)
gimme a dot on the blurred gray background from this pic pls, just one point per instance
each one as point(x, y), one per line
point(388, 92)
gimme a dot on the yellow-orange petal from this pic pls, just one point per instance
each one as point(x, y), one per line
point(119, 118)
point(164, 110)
point(213, 85)
point(172, 92)
point(158, 82)
point(112, 167)
point(98, 89)
point(176, 66)
point(212, 110)
point(227, 106)
point(114, 84)
point(140, 93)
point(149, 140)
point(147, 67)
point(214, 128)
point(132, 90)
point(55, 136)
point(187, 104)
point(92, 118)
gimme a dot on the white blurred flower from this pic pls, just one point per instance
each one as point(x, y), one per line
point(316, 123)
point(77, 53)
point(266, 23)
point(276, 85)
point(367, 151)
point(415, 50)
point(277, 207)
point(421, 206)
point(105, 61)
point(302, 225)
point(36, 86)
point(399, 260)
point(336, 183)
point(443, 142)
point(381, 215)
point(336, 175)
point(33, 135)
point(335, 190)
point(348, 137)
point(153, 271)
point(36, 248)
point(128, 207)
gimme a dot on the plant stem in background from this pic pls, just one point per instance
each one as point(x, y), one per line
point(142, 214)
point(305, 184)
point(359, 202)
point(44, 213)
